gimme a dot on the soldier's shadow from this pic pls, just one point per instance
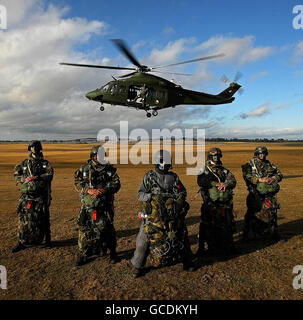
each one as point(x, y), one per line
point(287, 231)
point(65, 243)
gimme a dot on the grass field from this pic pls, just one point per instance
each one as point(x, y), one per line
point(263, 270)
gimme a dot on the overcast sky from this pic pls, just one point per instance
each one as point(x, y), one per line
point(40, 99)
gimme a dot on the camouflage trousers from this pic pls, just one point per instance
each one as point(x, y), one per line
point(34, 220)
point(216, 227)
point(96, 236)
point(261, 216)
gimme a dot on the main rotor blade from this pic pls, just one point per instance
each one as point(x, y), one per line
point(128, 74)
point(95, 66)
point(193, 60)
point(181, 74)
point(122, 47)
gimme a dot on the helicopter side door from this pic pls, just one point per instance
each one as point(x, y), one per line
point(158, 98)
point(117, 93)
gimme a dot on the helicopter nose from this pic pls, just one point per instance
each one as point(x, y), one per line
point(89, 95)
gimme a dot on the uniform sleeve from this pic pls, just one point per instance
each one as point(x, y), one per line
point(49, 174)
point(204, 181)
point(114, 185)
point(278, 176)
point(80, 184)
point(18, 173)
point(248, 174)
point(144, 192)
point(180, 187)
point(230, 181)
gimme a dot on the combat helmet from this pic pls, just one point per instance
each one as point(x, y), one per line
point(261, 149)
point(100, 152)
point(162, 160)
point(37, 144)
point(214, 154)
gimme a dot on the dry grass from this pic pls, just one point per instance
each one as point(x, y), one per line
point(262, 271)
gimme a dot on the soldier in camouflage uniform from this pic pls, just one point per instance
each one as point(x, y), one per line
point(97, 181)
point(217, 221)
point(35, 175)
point(262, 178)
point(163, 208)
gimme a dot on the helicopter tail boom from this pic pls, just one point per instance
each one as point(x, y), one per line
point(230, 91)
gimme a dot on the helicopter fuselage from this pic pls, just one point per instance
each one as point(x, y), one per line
point(149, 92)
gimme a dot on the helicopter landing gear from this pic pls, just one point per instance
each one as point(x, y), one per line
point(101, 108)
point(148, 114)
point(155, 113)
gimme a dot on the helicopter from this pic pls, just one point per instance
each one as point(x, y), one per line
point(144, 91)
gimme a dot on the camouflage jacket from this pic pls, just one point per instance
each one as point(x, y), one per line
point(157, 182)
point(255, 169)
point(38, 167)
point(210, 175)
point(92, 176)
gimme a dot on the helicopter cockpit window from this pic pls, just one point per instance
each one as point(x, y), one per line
point(122, 89)
point(105, 87)
point(113, 89)
point(151, 93)
point(161, 94)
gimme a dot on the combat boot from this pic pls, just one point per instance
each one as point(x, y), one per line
point(200, 252)
point(20, 246)
point(137, 272)
point(113, 258)
point(48, 243)
point(81, 260)
point(188, 266)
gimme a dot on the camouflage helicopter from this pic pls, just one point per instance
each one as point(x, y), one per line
point(144, 91)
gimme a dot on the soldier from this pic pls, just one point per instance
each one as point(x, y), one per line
point(163, 231)
point(35, 174)
point(217, 221)
point(262, 178)
point(97, 181)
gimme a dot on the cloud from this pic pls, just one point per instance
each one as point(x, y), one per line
point(258, 112)
point(39, 99)
point(265, 109)
point(257, 76)
point(169, 30)
point(239, 50)
point(297, 53)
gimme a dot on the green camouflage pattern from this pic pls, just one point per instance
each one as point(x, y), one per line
point(92, 233)
point(39, 191)
point(262, 204)
point(216, 195)
point(31, 221)
point(165, 228)
point(100, 233)
point(217, 223)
